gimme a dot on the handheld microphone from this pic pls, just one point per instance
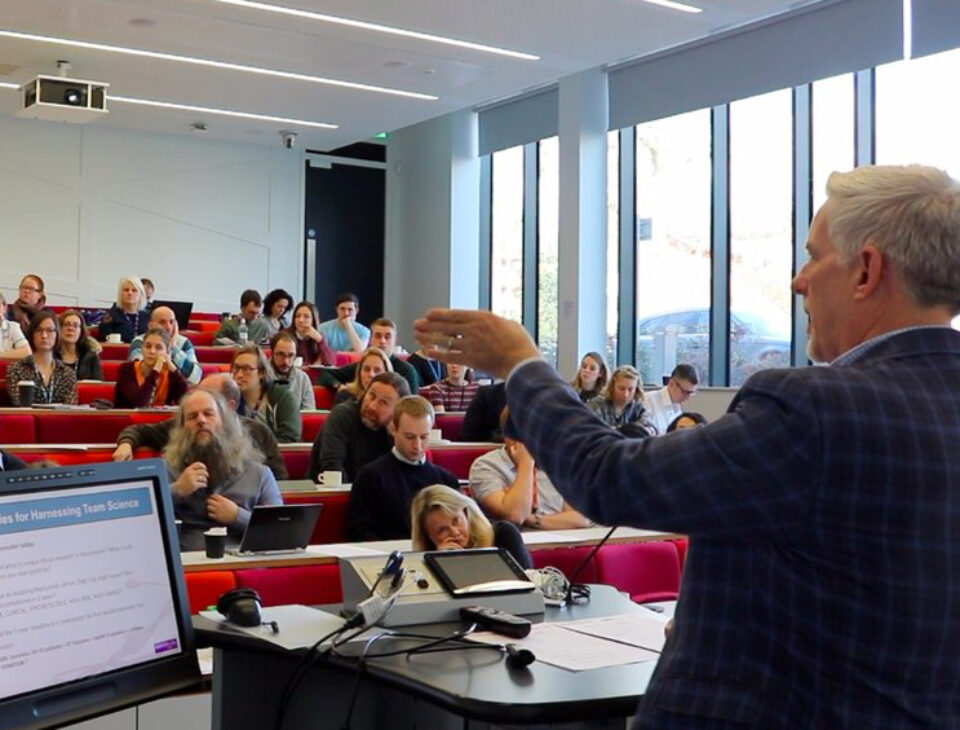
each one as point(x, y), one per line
point(584, 590)
point(518, 658)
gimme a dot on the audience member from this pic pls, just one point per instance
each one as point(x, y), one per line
point(383, 338)
point(217, 475)
point(53, 381)
point(663, 405)
point(156, 435)
point(455, 392)
point(275, 307)
point(13, 343)
point(591, 377)
point(345, 334)
point(372, 362)
point(691, 419)
point(429, 371)
point(31, 300)
point(822, 508)
point(263, 398)
point(356, 433)
point(148, 289)
point(128, 317)
point(77, 349)
point(509, 486)
point(283, 349)
point(257, 328)
point(445, 519)
point(384, 489)
point(182, 352)
point(622, 401)
point(153, 380)
point(311, 345)
point(482, 420)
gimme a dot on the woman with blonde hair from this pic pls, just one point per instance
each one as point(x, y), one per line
point(372, 362)
point(128, 316)
point(622, 400)
point(442, 518)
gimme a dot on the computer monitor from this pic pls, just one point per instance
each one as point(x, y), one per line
point(92, 597)
point(181, 311)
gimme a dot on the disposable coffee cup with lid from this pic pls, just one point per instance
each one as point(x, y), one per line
point(215, 540)
point(25, 391)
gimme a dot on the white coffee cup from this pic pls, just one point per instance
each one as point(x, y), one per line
point(298, 362)
point(436, 434)
point(114, 338)
point(331, 479)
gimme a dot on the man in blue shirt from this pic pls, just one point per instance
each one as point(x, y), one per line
point(345, 334)
point(823, 577)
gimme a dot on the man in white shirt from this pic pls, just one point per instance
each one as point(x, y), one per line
point(13, 345)
point(664, 405)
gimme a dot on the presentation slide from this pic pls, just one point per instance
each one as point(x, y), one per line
point(83, 585)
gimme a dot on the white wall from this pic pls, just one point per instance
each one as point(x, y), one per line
point(84, 206)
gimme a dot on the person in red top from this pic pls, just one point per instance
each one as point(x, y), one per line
point(311, 345)
point(154, 380)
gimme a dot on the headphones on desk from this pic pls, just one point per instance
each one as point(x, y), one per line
point(241, 606)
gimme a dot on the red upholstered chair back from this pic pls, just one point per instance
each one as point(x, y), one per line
point(310, 584)
point(4, 395)
point(17, 428)
point(332, 525)
point(459, 460)
point(214, 317)
point(214, 354)
point(206, 587)
point(79, 428)
point(89, 391)
point(345, 358)
point(4, 364)
point(200, 338)
point(647, 571)
point(111, 368)
point(297, 461)
point(150, 416)
point(114, 351)
point(567, 560)
point(324, 397)
point(683, 544)
point(313, 424)
point(451, 424)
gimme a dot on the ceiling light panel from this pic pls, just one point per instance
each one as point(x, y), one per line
point(378, 28)
point(682, 7)
point(210, 63)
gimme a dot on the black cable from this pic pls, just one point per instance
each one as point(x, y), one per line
point(583, 591)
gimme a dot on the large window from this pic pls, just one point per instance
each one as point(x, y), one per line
point(548, 247)
point(613, 247)
point(673, 184)
point(833, 132)
point(917, 112)
point(506, 270)
point(761, 233)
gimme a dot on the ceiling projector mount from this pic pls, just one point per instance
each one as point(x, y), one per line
point(59, 99)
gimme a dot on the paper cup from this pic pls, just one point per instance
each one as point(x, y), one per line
point(114, 338)
point(436, 434)
point(331, 479)
point(298, 362)
point(25, 392)
point(215, 541)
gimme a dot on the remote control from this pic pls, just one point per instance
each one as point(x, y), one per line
point(496, 621)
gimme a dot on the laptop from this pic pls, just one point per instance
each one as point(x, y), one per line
point(181, 310)
point(279, 529)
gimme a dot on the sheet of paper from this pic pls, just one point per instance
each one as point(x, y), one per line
point(344, 550)
point(551, 644)
point(205, 661)
point(634, 629)
point(545, 537)
point(299, 626)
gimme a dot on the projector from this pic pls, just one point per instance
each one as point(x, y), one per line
point(59, 99)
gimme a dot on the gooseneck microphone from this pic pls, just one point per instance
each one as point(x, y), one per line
point(575, 590)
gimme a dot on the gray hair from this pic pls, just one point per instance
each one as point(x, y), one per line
point(912, 214)
point(233, 440)
point(135, 280)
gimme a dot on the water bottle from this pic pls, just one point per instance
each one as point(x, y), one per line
point(242, 331)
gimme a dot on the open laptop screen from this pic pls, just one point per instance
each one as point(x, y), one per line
point(91, 593)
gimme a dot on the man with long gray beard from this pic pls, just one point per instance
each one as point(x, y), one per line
point(217, 475)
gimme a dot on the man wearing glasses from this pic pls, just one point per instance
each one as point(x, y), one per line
point(283, 347)
point(664, 405)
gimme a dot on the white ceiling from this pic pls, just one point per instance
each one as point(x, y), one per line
point(568, 35)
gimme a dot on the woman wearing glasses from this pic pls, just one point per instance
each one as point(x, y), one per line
point(13, 343)
point(30, 301)
point(77, 349)
point(262, 398)
point(53, 382)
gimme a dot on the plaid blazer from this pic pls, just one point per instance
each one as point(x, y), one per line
point(822, 586)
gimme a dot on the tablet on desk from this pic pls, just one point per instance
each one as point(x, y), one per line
point(478, 572)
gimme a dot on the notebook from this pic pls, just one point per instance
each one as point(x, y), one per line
point(284, 528)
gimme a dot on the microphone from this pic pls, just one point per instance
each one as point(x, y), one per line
point(518, 658)
point(391, 568)
point(584, 590)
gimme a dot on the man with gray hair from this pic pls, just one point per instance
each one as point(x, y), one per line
point(181, 349)
point(823, 579)
point(217, 475)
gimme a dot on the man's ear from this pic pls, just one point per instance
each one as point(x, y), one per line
point(391, 429)
point(871, 270)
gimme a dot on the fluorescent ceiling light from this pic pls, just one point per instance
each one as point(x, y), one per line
point(215, 64)
point(5, 85)
point(222, 112)
point(682, 7)
point(324, 18)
